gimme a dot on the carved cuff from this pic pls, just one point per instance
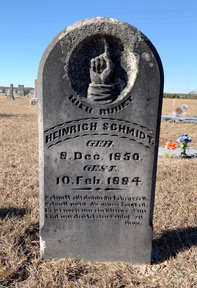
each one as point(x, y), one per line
point(100, 93)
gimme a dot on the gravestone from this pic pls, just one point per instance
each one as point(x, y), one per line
point(35, 88)
point(100, 84)
point(34, 99)
point(11, 93)
point(21, 92)
point(31, 92)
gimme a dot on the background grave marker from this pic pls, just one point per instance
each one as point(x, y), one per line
point(11, 93)
point(21, 92)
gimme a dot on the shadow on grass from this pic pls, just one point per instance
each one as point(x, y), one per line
point(16, 115)
point(168, 245)
point(29, 240)
point(12, 212)
point(172, 242)
point(27, 247)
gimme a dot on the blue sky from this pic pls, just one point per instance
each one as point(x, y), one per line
point(27, 27)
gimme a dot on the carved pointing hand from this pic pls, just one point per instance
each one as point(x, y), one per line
point(101, 67)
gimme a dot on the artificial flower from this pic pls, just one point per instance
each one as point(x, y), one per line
point(171, 145)
point(183, 140)
point(184, 137)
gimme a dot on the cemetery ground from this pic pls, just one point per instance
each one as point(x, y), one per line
point(174, 262)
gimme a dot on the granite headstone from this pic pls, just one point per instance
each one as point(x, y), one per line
point(100, 85)
point(34, 99)
point(21, 92)
point(35, 88)
point(11, 93)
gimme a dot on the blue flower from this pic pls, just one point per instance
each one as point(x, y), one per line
point(184, 137)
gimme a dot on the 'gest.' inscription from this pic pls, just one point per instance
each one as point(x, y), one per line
point(99, 160)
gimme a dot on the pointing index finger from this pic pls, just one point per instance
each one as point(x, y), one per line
point(106, 46)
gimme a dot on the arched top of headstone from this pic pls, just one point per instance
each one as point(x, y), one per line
point(104, 61)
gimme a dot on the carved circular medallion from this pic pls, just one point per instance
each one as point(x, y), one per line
point(101, 69)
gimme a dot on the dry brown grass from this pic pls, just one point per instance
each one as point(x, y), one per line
point(170, 130)
point(169, 105)
point(175, 231)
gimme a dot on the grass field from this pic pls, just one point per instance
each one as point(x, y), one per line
point(175, 231)
point(170, 130)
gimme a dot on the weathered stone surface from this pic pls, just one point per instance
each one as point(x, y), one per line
point(21, 92)
point(100, 84)
point(35, 88)
point(33, 101)
point(11, 93)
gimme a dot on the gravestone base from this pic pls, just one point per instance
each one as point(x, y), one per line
point(33, 101)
